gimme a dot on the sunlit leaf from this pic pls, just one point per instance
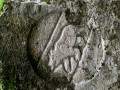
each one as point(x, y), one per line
point(1, 4)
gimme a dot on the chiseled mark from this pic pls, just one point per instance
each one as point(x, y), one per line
point(77, 54)
point(65, 53)
point(70, 65)
point(61, 22)
point(60, 70)
point(86, 48)
point(73, 65)
point(63, 48)
point(104, 44)
point(67, 65)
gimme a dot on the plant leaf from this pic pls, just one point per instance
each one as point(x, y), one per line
point(1, 4)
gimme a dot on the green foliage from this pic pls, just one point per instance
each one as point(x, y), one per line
point(1, 4)
point(47, 1)
point(10, 83)
point(1, 86)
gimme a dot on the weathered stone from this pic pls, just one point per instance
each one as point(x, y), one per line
point(73, 44)
point(61, 51)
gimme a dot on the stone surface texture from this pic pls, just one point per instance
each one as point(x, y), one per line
point(74, 42)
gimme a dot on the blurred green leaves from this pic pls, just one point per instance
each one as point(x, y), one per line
point(1, 4)
point(1, 86)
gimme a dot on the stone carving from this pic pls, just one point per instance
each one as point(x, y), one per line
point(80, 53)
point(63, 52)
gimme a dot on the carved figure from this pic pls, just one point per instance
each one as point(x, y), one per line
point(64, 48)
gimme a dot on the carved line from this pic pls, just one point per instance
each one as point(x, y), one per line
point(55, 33)
point(85, 48)
point(53, 36)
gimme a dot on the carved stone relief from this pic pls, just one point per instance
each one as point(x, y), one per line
point(80, 53)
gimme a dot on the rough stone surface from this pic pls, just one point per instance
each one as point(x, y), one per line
point(75, 43)
point(84, 53)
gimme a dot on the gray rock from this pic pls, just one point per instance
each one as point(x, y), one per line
point(84, 48)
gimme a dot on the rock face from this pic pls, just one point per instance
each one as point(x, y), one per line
point(86, 53)
point(76, 43)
